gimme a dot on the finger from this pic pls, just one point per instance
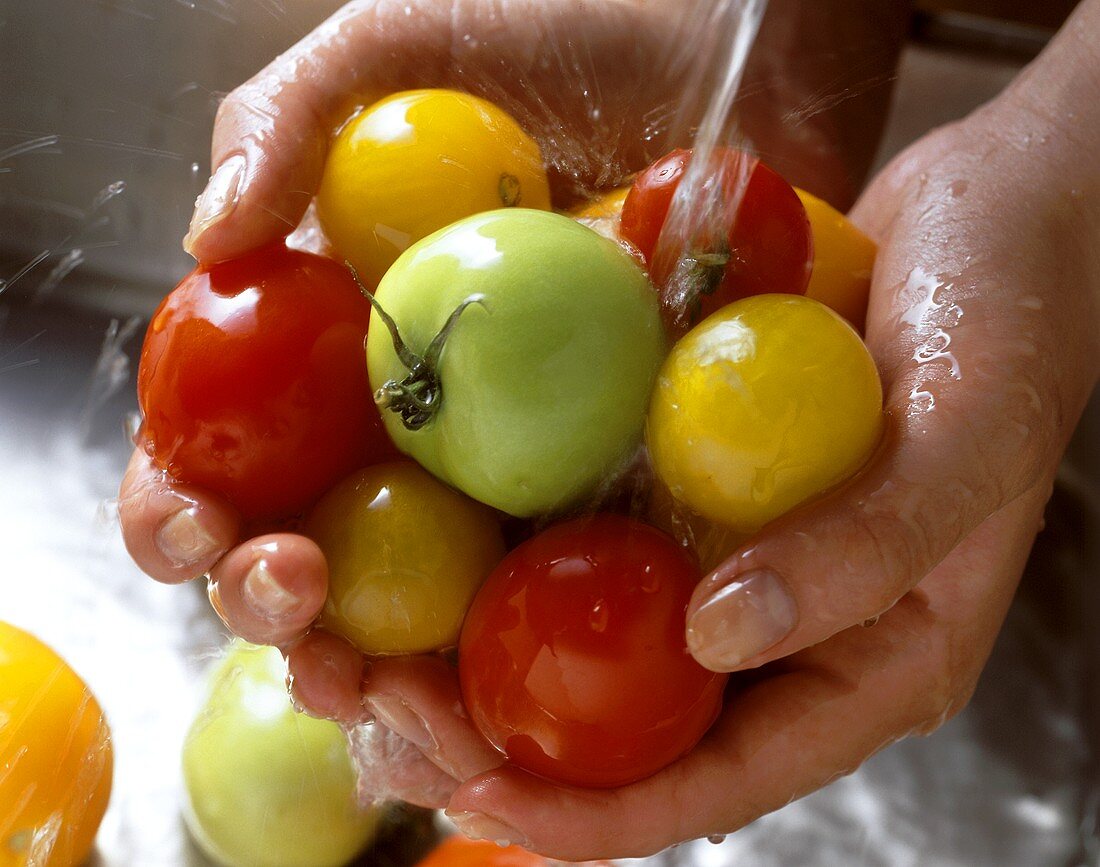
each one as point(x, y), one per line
point(818, 716)
point(271, 133)
point(983, 383)
point(326, 675)
point(390, 768)
point(270, 589)
point(418, 697)
point(174, 532)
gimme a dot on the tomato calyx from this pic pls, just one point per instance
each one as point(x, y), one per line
point(508, 188)
point(418, 396)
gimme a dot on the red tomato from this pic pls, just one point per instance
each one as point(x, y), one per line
point(253, 381)
point(770, 240)
point(460, 852)
point(572, 658)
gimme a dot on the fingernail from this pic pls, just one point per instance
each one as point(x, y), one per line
point(264, 595)
point(750, 614)
point(217, 201)
point(478, 826)
point(182, 539)
point(402, 720)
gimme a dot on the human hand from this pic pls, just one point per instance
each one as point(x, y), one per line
point(969, 220)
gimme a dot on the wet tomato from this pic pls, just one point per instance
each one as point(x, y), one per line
point(767, 248)
point(763, 405)
point(267, 786)
point(253, 384)
point(417, 161)
point(55, 757)
point(843, 261)
point(572, 659)
point(406, 554)
point(528, 350)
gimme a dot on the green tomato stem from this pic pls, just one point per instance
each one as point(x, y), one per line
point(417, 397)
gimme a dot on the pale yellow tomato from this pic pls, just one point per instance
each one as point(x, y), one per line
point(268, 786)
point(406, 554)
point(763, 405)
point(843, 260)
point(55, 757)
point(418, 161)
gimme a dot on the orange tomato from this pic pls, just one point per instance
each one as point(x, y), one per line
point(55, 757)
point(603, 212)
point(843, 260)
point(460, 852)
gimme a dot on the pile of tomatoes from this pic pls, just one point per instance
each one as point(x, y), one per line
point(543, 446)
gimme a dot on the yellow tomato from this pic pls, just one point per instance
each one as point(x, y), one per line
point(766, 403)
point(55, 757)
point(843, 260)
point(406, 554)
point(418, 161)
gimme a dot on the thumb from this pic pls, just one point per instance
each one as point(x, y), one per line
point(974, 417)
point(271, 133)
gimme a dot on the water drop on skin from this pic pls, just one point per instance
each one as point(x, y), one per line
point(716, 839)
point(599, 616)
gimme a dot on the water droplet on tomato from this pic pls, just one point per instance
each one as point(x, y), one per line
point(599, 616)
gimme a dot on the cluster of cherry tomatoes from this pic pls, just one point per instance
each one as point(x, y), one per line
point(465, 478)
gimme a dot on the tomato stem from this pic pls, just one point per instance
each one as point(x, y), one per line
point(418, 396)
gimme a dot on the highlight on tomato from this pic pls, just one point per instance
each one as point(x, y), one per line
point(768, 246)
point(252, 382)
point(572, 660)
point(405, 555)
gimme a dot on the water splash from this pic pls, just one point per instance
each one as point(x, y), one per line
point(708, 197)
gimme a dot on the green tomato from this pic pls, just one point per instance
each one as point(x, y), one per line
point(528, 346)
point(267, 786)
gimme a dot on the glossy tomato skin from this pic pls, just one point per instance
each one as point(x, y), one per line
point(572, 659)
point(544, 384)
point(406, 554)
point(770, 239)
point(252, 381)
point(762, 406)
point(417, 161)
point(56, 758)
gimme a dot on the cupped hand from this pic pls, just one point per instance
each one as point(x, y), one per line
point(873, 609)
point(982, 320)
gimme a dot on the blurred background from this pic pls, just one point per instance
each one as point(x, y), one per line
point(105, 115)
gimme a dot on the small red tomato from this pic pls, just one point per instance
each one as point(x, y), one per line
point(253, 382)
point(770, 243)
point(572, 659)
point(460, 852)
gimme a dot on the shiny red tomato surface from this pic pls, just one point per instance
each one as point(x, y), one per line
point(253, 382)
point(770, 243)
point(460, 852)
point(572, 658)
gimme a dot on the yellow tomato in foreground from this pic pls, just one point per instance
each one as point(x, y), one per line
point(763, 405)
point(55, 757)
point(406, 554)
point(418, 161)
point(843, 260)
